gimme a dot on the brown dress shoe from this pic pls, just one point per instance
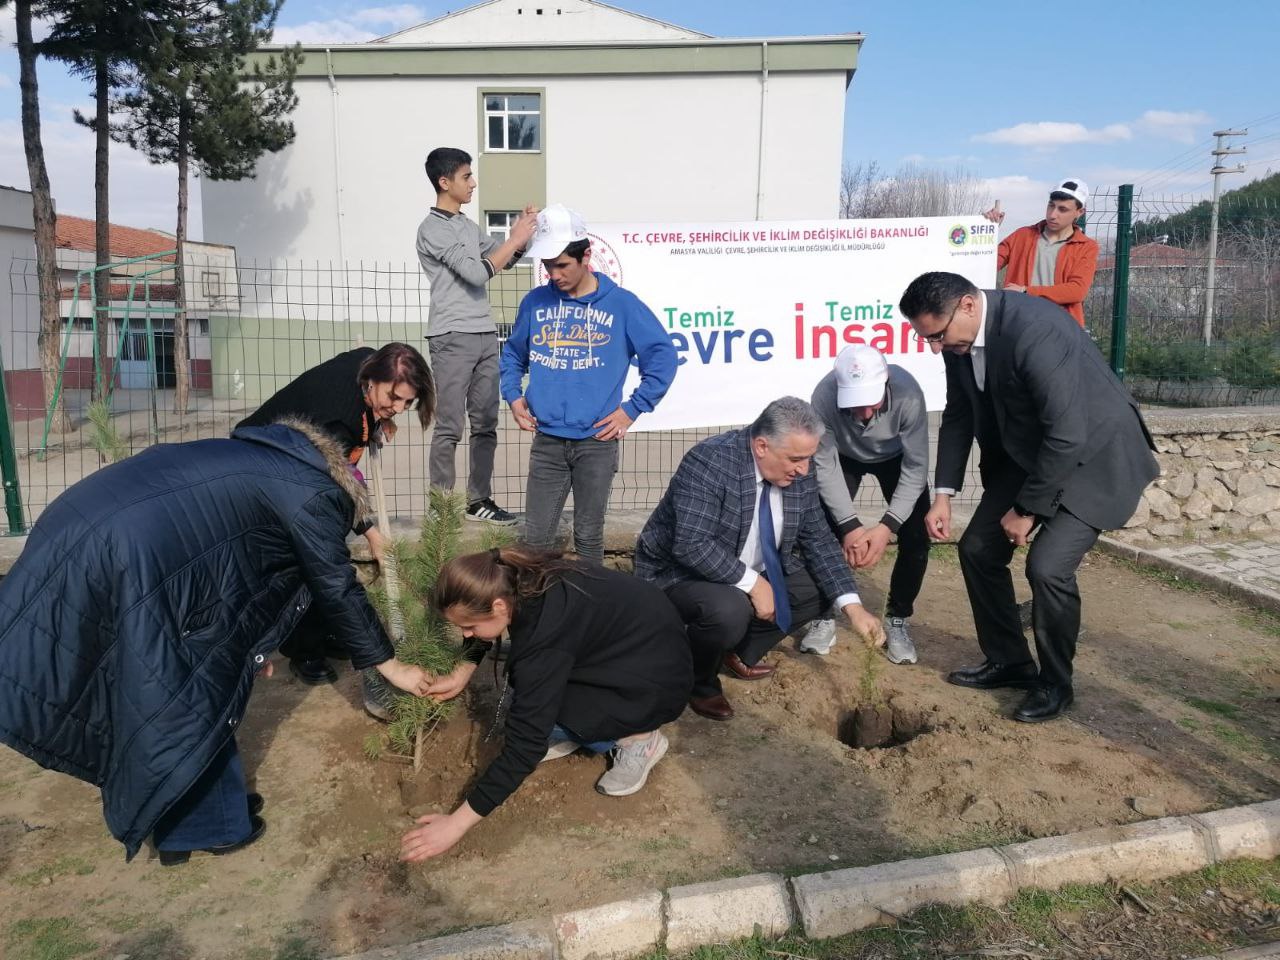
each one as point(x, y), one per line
point(740, 670)
point(714, 707)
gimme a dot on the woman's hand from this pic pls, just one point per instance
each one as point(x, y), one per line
point(437, 833)
point(405, 676)
point(388, 430)
point(452, 683)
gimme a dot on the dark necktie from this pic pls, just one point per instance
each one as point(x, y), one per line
point(773, 561)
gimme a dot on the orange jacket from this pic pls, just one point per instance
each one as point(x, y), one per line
point(1072, 276)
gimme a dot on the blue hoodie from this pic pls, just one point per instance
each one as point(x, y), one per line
point(576, 351)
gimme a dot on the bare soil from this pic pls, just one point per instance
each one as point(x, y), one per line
point(1177, 711)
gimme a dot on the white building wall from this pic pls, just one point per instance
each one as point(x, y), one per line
point(651, 148)
point(19, 302)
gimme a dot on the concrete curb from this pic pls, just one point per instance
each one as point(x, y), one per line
point(1225, 585)
point(841, 901)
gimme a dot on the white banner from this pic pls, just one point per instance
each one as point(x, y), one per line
point(760, 310)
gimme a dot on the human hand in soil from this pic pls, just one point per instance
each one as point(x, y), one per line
point(872, 541)
point(452, 683)
point(406, 676)
point(937, 522)
point(437, 833)
point(1017, 528)
point(865, 624)
point(761, 597)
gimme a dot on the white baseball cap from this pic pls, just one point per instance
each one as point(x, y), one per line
point(861, 374)
point(558, 226)
point(1075, 188)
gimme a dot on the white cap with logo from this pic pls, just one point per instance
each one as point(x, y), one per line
point(861, 373)
point(558, 226)
point(1074, 188)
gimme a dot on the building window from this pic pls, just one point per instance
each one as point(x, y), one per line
point(513, 122)
point(498, 223)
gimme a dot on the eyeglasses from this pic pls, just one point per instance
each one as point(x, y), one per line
point(937, 337)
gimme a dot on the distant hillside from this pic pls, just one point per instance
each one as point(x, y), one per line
point(1259, 200)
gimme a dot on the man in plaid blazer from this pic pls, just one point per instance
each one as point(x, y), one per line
point(741, 546)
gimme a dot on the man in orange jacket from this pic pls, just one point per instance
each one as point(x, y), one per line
point(1053, 258)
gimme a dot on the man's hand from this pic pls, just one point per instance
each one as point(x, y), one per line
point(405, 676)
point(524, 416)
point(937, 522)
point(1015, 287)
point(872, 543)
point(995, 214)
point(1017, 528)
point(614, 426)
point(865, 624)
point(451, 684)
point(437, 834)
point(522, 230)
point(854, 545)
point(761, 597)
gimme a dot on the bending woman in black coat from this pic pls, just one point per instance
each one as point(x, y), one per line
point(598, 659)
point(354, 398)
point(149, 596)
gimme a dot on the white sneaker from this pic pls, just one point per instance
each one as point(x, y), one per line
point(898, 646)
point(558, 749)
point(819, 638)
point(631, 765)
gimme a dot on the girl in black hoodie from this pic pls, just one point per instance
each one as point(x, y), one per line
point(597, 659)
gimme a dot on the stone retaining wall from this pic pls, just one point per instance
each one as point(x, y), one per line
point(1220, 475)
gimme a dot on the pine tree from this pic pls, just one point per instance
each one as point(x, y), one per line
point(194, 101)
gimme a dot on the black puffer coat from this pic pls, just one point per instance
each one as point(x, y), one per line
point(150, 593)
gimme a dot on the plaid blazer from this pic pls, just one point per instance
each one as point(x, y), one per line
point(698, 529)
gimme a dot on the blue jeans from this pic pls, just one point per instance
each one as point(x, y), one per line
point(557, 465)
point(213, 811)
point(564, 733)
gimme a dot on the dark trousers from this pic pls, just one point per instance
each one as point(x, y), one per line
point(1059, 545)
point(913, 541)
point(718, 618)
point(213, 811)
point(557, 466)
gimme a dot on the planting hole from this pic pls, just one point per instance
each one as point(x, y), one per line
point(871, 728)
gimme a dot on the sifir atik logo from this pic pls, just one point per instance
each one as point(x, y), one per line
point(958, 236)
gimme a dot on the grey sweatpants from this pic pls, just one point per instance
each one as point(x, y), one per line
point(465, 367)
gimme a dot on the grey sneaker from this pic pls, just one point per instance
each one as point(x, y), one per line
point(819, 638)
point(558, 749)
point(631, 765)
point(378, 695)
point(898, 648)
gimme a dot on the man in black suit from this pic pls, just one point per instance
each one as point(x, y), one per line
point(741, 546)
point(1064, 452)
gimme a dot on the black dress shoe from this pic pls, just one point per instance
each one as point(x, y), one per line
point(172, 858)
point(313, 673)
point(256, 803)
point(1044, 703)
point(988, 675)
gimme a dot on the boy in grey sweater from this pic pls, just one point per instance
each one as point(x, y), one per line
point(876, 423)
point(459, 259)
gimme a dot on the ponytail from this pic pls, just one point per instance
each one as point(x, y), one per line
point(475, 580)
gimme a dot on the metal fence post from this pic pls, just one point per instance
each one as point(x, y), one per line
point(1120, 290)
point(9, 465)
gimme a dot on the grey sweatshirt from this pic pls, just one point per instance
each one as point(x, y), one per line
point(451, 249)
point(901, 426)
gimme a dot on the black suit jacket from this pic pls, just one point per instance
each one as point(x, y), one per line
point(1052, 406)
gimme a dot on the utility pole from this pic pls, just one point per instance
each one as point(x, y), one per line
point(1217, 171)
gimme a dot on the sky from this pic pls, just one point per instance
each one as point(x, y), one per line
point(1020, 95)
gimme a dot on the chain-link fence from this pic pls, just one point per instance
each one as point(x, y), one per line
point(1183, 345)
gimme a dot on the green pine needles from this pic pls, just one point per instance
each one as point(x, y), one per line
point(428, 641)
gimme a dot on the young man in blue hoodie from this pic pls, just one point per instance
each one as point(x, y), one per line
point(576, 337)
